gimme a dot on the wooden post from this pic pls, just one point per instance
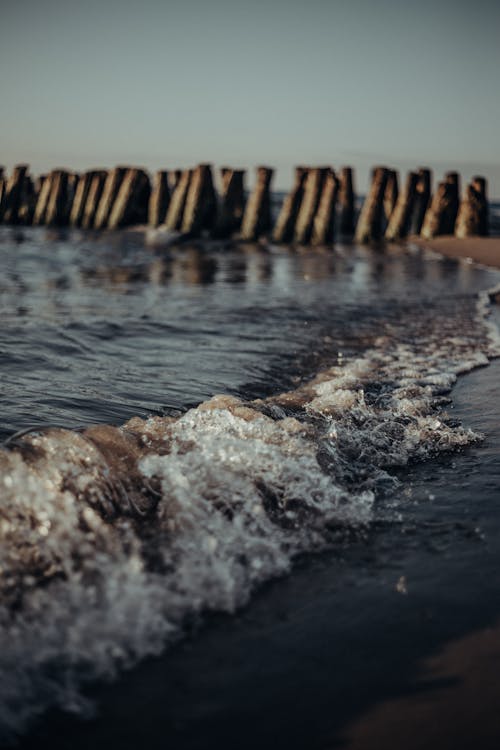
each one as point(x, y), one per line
point(159, 200)
point(80, 199)
point(201, 205)
point(231, 204)
point(28, 201)
point(56, 215)
point(94, 197)
point(285, 224)
point(174, 177)
point(13, 194)
point(346, 201)
point(131, 204)
point(472, 219)
point(391, 193)
point(107, 199)
point(175, 212)
point(309, 206)
point(323, 226)
point(43, 200)
point(399, 223)
point(257, 216)
point(369, 227)
point(2, 190)
point(422, 198)
point(442, 213)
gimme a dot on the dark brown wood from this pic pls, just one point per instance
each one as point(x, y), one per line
point(399, 223)
point(346, 201)
point(201, 206)
point(175, 211)
point(231, 204)
point(2, 193)
point(174, 177)
point(28, 202)
point(285, 224)
point(422, 199)
point(442, 213)
point(472, 219)
point(96, 189)
point(56, 214)
point(257, 216)
point(80, 198)
point(323, 225)
point(309, 205)
point(12, 199)
point(108, 195)
point(391, 193)
point(369, 226)
point(131, 204)
point(159, 199)
point(43, 200)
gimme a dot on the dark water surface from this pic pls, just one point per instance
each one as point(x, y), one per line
point(102, 329)
point(371, 461)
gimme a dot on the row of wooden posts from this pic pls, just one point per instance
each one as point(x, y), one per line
point(187, 202)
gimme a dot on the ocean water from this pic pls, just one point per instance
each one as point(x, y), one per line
point(271, 402)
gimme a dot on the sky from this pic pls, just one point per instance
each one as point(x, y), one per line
point(170, 83)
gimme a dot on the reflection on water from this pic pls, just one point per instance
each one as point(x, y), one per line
point(99, 327)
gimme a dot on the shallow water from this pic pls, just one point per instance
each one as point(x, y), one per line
point(350, 356)
point(99, 330)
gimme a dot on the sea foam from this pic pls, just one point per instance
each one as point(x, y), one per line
point(115, 539)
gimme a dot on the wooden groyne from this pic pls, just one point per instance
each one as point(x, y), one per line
point(320, 206)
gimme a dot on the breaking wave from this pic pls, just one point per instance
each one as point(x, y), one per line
point(114, 539)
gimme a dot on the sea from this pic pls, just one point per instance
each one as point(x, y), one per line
point(292, 406)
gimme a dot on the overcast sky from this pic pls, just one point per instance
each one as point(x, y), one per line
point(169, 83)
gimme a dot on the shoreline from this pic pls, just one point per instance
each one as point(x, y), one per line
point(482, 250)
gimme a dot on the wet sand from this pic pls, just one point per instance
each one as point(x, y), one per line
point(485, 250)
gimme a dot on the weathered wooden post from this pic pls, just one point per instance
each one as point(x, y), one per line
point(472, 219)
point(108, 195)
point(346, 201)
point(201, 203)
point(159, 200)
point(422, 198)
point(399, 223)
point(80, 198)
point(231, 204)
point(28, 201)
point(94, 196)
point(257, 216)
point(2, 190)
point(309, 205)
point(442, 213)
point(56, 215)
point(285, 224)
point(323, 225)
point(369, 227)
point(131, 204)
point(43, 200)
point(391, 193)
point(13, 194)
point(174, 177)
point(175, 211)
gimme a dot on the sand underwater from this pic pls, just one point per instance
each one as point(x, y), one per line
point(308, 561)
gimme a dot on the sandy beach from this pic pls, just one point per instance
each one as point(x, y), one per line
point(485, 250)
